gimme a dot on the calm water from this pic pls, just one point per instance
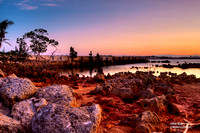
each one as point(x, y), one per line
point(151, 67)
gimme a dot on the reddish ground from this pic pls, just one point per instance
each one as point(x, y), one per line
point(114, 109)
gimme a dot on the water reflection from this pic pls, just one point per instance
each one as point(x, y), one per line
point(139, 67)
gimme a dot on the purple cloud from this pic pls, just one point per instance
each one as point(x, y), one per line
point(49, 4)
point(28, 4)
point(28, 7)
point(24, 5)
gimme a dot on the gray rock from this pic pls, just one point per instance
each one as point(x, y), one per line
point(164, 88)
point(156, 104)
point(9, 125)
point(12, 76)
point(123, 92)
point(150, 117)
point(104, 89)
point(97, 90)
point(148, 123)
point(6, 79)
point(16, 89)
point(61, 119)
point(4, 110)
point(1, 82)
point(23, 111)
point(59, 94)
point(147, 94)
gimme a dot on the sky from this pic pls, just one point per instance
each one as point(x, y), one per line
point(109, 27)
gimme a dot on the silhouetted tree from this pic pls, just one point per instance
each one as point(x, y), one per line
point(39, 41)
point(99, 63)
point(72, 54)
point(3, 26)
point(90, 58)
point(98, 58)
point(22, 51)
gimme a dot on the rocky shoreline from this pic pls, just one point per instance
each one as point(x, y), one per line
point(124, 102)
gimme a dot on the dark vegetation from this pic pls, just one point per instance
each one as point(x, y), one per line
point(72, 54)
point(3, 26)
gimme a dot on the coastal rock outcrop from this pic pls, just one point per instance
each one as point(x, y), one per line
point(9, 125)
point(59, 94)
point(156, 104)
point(4, 110)
point(145, 122)
point(123, 92)
point(97, 90)
point(147, 94)
point(58, 118)
point(104, 89)
point(164, 88)
point(16, 89)
point(149, 122)
point(23, 111)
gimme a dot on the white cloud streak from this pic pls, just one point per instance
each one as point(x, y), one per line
point(28, 7)
point(49, 4)
point(34, 4)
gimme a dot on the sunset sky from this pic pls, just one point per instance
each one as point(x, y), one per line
point(110, 27)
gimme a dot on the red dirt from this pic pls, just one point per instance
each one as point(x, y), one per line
point(114, 108)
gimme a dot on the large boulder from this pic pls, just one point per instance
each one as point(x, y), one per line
point(9, 125)
point(59, 94)
point(123, 92)
point(6, 79)
point(146, 122)
point(1, 82)
point(23, 111)
point(61, 119)
point(156, 104)
point(16, 89)
point(4, 110)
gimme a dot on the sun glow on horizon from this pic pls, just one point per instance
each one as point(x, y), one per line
point(111, 28)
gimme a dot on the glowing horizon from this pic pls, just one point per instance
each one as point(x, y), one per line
point(130, 27)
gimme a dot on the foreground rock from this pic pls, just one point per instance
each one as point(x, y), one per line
point(149, 122)
point(147, 94)
point(123, 92)
point(23, 111)
point(16, 89)
point(9, 125)
point(156, 104)
point(59, 94)
point(99, 77)
point(145, 122)
point(58, 118)
point(4, 110)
